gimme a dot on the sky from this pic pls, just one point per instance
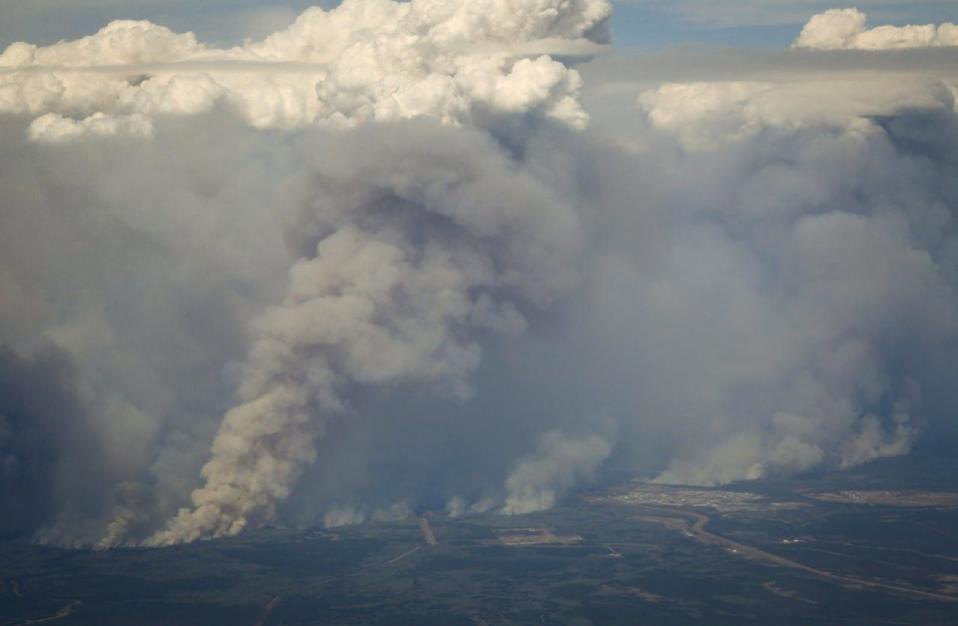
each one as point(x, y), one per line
point(267, 264)
point(639, 23)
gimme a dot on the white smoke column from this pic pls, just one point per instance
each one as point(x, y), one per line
point(343, 516)
point(558, 464)
point(830, 372)
point(364, 310)
point(459, 506)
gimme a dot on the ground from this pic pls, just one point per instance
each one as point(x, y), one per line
point(874, 546)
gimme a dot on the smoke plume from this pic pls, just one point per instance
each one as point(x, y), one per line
point(559, 463)
point(465, 255)
point(397, 278)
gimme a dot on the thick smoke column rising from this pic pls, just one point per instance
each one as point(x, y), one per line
point(393, 295)
point(391, 291)
point(836, 286)
point(559, 463)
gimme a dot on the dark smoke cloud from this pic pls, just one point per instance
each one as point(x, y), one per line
point(50, 469)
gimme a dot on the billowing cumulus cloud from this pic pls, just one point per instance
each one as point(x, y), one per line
point(407, 256)
point(845, 29)
point(708, 114)
point(363, 60)
point(52, 128)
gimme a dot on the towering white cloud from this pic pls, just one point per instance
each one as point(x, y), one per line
point(363, 60)
point(844, 29)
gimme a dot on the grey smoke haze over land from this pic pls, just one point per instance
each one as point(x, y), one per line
point(426, 254)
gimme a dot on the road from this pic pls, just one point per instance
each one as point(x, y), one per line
point(64, 612)
point(698, 530)
point(402, 556)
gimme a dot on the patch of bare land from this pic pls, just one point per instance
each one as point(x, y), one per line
point(516, 537)
point(889, 498)
point(631, 592)
point(323, 534)
point(948, 584)
point(782, 592)
point(670, 522)
point(62, 613)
